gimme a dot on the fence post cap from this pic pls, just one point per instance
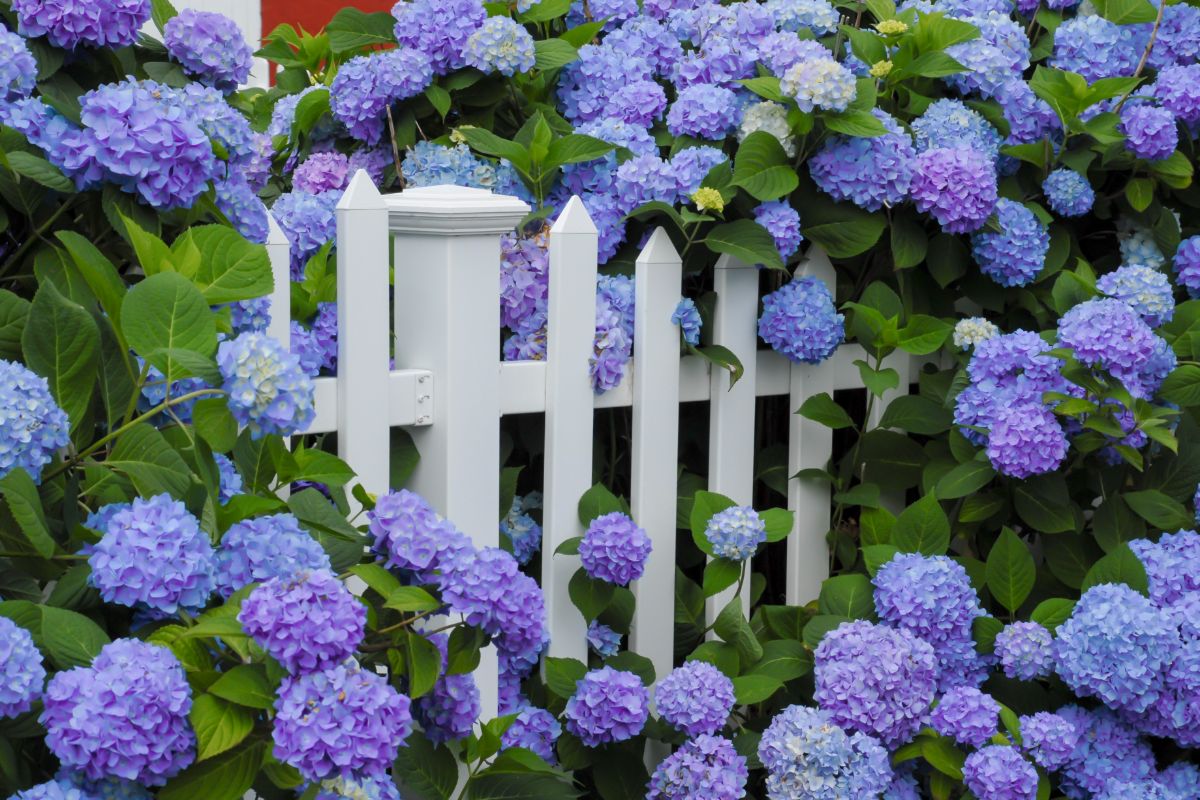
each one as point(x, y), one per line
point(573, 219)
point(453, 210)
point(659, 249)
point(361, 194)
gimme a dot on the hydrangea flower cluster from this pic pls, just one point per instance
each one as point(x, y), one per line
point(736, 532)
point(449, 710)
point(306, 621)
point(153, 554)
point(32, 426)
point(1172, 566)
point(1015, 256)
point(534, 729)
point(706, 766)
point(704, 110)
point(871, 173)
point(603, 639)
point(258, 550)
point(614, 549)
point(1107, 750)
point(1025, 650)
point(819, 83)
point(125, 716)
point(500, 45)
point(1144, 289)
point(366, 86)
point(1109, 334)
point(18, 70)
point(783, 223)
point(696, 698)
point(807, 755)
point(1049, 739)
point(800, 321)
point(21, 670)
point(412, 538)
point(608, 706)
point(439, 29)
point(972, 331)
point(70, 23)
point(210, 47)
point(956, 186)
point(521, 530)
point(687, 317)
point(322, 172)
point(966, 715)
point(999, 772)
point(268, 391)
point(1149, 131)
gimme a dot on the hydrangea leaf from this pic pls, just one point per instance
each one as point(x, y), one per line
point(1010, 571)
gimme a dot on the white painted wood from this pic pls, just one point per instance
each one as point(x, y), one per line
point(447, 320)
point(570, 340)
point(410, 400)
point(279, 253)
point(809, 445)
point(731, 421)
point(658, 275)
point(362, 382)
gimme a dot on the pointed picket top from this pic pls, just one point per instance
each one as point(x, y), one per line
point(574, 219)
point(275, 234)
point(659, 250)
point(817, 265)
point(361, 194)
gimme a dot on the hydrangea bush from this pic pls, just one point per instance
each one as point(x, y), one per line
point(193, 605)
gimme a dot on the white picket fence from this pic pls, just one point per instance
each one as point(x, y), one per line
point(450, 388)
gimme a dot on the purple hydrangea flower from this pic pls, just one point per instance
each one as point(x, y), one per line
point(322, 172)
point(644, 178)
point(1116, 646)
point(1178, 89)
point(1178, 41)
point(650, 40)
point(1142, 790)
point(309, 223)
point(1182, 779)
point(998, 772)
point(411, 536)
point(534, 729)
point(1029, 117)
point(705, 111)
point(32, 426)
point(1095, 48)
point(1025, 650)
point(1150, 131)
point(1172, 565)
point(1025, 438)
point(70, 23)
point(1068, 192)
point(1000, 54)
point(246, 212)
point(154, 554)
point(501, 45)
point(687, 317)
point(807, 755)
point(1144, 289)
point(608, 706)
point(268, 392)
point(783, 223)
point(799, 320)
point(1108, 334)
point(587, 85)
point(1187, 265)
point(1107, 750)
point(876, 680)
point(524, 283)
point(339, 722)
point(303, 345)
point(949, 123)
point(521, 530)
point(696, 698)
point(706, 766)
point(210, 47)
point(819, 83)
point(305, 620)
point(18, 68)
point(366, 86)
point(258, 550)
point(21, 670)
point(966, 715)
point(375, 160)
point(449, 710)
point(229, 478)
point(956, 186)
point(613, 12)
point(439, 29)
point(817, 16)
point(736, 532)
point(638, 103)
point(614, 549)
point(1015, 256)
point(603, 639)
point(869, 172)
point(125, 716)
point(1049, 739)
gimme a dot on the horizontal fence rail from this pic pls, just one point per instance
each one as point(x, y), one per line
point(449, 387)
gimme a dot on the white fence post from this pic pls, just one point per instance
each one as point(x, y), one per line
point(731, 421)
point(362, 383)
point(570, 339)
point(280, 327)
point(659, 273)
point(447, 289)
point(810, 444)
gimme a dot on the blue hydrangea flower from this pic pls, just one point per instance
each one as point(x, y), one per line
point(1025, 438)
point(305, 620)
point(1150, 131)
point(1048, 739)
point(603, 639)
point(1068, 192)
point(687, 317)
point(721, 62)
point(781, 51)
point(876, 680)
point(1142, 790)
point(365, 86)
point(783, 223)
point(614, 329)
point(66, 146)
point(340, 722)
point(695, 698)
point(1178, 41)
point(799, 320)
point(411, 536)
point(706, 766)
point(819, 83)
point(534, 729)
point(153, 554)
point(1095, 48)
point(500, 45)
point(608, 706)
point(999, 772)
point(705, 111)
point(1015, 256)
point(1108, 334)
point(250, 315)
point(613, 12)
point(736, 532)
point(283, 114)
point(869, 172)
point(1144, 289)
point(439, 29)
point(956, 186)
point(524, 283)
point(1025, 650)
point(1138, 245)
point(210, 47)
point(587, 85)
point(809, 757)
point(1178, 89)
point(32, 426)
point(614, 549)
point(429, 164)
point(246, 212)
point(817, 16)
point(257, 550)
point(229, 479)
point(949, 123)
point(449, 710)
point(648, 39)
point(125, 716)
point(1029, 117)
point(70, 23)
point(54, 790)
point(1172, 565)
point(268, 392)
point(1187, 265)
point(18, 69)
point(308, 221)
point(966, 715)
point(1107, 750)
point(522, 530)
point(362, 788)
point(1116, 646)
point(21, 670)
point(644, 178)
point(322, 172)
point(1182, 779)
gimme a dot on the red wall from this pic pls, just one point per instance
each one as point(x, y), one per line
point(312, 14)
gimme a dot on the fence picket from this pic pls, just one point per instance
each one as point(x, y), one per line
point(658, 275)
point(731, 422)
point(569, 417)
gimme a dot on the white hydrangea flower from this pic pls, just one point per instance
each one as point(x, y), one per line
point(973, 330)
point(820, 83)
point(770, 117)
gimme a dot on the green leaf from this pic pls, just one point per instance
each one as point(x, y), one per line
point(816, 628)
point(562, 674)
point(152, 253)
point(219, 725)
point(1140, 193)
point(1043, 503)
point(424, 662)
point(720, 574)
point(878, 381)
point(247, 685)
point(784, 660)
point(924, 335)
point(875, 526)
point(576, 148)
point(1070, 557)
point(745, 239)
point(590, 595)
point(1182, 386)
point(630, 661)
point(231, 268)
point(411, 599)
point(965, 479)
point(1010, 571)
point(161, 11)
point(580, 34)
point(779, 523)
point(596, 502)
point(14, 313)
point(910, 244)
point(164, 313)
point(1119, 566)
point(843, 229)
point(1053, 612)
point(553, 53)
point(101, 276)
point(732, 627)
point(916, 414)
point(424, 771)
point(225, 777)
point(850, 596)
point(943, 756)
point(60, 342)
point(1126, 12)
point(704, 506)
point(861, 124)
point(1158, 509)
point(21, 497)
point(763, 169)
point(215, 424)
point(341, 540)
point(824, 409)
point(923, 528)
point(876, 555)
point(309, 110)
point(40, 170)
point(545, 10)
point(755, 688)
point(351, 29)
